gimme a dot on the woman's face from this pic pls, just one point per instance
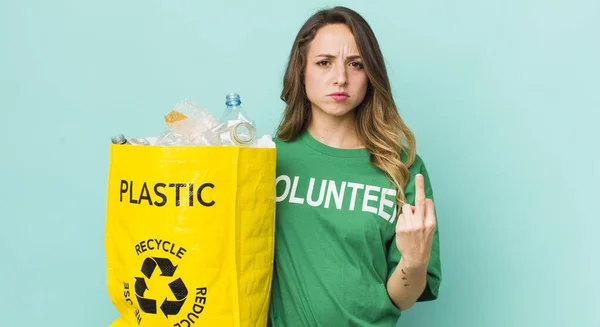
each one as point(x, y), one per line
point(335, 79)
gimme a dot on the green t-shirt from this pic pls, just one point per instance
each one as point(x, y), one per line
point(335, 238)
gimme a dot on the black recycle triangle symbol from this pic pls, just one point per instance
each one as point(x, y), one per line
point(177, 287)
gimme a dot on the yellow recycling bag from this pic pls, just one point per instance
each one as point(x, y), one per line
point(189, 235)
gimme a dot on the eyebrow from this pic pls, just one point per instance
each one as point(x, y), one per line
point(329, 56)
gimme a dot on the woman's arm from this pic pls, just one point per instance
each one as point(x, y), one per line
point(415, 231)
point(406, 284)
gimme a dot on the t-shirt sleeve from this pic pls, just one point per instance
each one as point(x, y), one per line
point(434, 269)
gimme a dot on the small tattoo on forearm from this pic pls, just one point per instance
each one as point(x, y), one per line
point(404, 278)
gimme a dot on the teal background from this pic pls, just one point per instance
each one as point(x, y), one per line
point(503, 97)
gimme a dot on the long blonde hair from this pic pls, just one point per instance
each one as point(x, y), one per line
point(380, 127)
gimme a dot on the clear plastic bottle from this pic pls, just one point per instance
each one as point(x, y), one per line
point(120, 139)
point(235, 126)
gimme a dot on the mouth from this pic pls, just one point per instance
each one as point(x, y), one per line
point(339, 96)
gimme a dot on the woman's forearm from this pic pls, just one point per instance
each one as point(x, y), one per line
point(406, 284)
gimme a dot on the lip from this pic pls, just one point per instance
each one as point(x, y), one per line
point(339, 96)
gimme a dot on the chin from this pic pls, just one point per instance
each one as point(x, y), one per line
point(337, 110)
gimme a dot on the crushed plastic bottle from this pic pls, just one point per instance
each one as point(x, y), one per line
point(235, 126)
point(120, 139)
point(138, 141)
point(172, 138)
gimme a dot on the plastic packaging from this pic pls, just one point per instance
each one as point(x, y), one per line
point(190, 121)
point(120, 139)
point(190, 124)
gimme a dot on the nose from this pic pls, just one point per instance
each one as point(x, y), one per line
point(341, 77)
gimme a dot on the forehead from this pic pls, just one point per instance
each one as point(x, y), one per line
point(334, 39)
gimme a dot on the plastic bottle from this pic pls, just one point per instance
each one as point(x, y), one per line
point(120, 139)
point(235, 126)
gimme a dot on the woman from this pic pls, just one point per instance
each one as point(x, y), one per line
point(351, 250)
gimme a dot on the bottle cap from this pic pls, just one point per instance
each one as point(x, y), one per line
point(232, 99)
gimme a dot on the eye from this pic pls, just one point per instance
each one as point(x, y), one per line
point(357, 64)
point(323, 63)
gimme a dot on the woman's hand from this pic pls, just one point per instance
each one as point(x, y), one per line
point(415, 228)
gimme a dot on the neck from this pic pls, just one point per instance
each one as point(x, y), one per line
point(336, 132)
